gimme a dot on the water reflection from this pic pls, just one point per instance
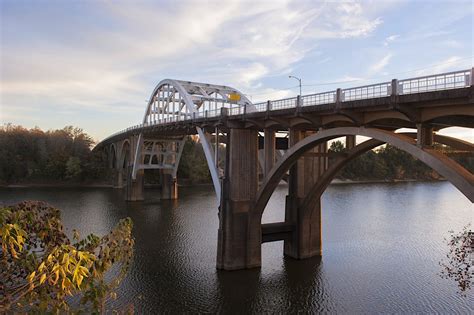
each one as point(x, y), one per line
point(381, 247)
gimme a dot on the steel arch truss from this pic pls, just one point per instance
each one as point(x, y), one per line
point(175, 100)
point(162, 154)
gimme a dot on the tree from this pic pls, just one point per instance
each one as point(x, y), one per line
point(460, 258)
point(41, 266)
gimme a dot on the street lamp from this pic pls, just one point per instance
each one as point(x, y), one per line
point(299, 80)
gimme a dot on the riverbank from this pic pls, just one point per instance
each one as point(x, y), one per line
point(187, 184)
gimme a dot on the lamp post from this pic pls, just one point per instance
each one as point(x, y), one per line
point(299, 80)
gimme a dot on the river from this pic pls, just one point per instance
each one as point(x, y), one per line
point(381, 248)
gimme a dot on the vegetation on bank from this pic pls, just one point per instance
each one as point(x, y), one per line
point(390, 163)
point(34, 155)
point(41, 268)
point(65, 156)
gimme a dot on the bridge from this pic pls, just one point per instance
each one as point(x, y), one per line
point(257, 158)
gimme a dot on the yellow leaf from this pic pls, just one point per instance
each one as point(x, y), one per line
point(56, 277)
point(31, 276)
point(43, 278)
point(79, 281)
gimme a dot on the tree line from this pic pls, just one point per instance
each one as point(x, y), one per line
point(390, 163)
point(47, 156)
point(65, 155)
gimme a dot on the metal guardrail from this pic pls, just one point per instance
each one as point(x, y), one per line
point(445, 81)
point(366, 92)
point(319, 98)
point(436, 82)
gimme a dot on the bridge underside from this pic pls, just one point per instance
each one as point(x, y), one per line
point(259, 155)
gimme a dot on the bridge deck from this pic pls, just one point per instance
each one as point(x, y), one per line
point(390, 105)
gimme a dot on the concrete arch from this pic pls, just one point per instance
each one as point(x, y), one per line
point(112, 155)
point(452, 171)
point(124, 149)
point(372, 117)
point(428, 115)
point(319, 187)
point(325, 121)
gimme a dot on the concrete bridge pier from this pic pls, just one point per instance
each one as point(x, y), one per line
point(169, 186)
point(134, 189)
point(117, 178)
point(269, 150)
point(425, 135)
point(305, 239)
point(240, 232)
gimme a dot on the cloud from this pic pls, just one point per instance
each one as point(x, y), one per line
point(390, 39)
point(381, 64)
point(108, 56)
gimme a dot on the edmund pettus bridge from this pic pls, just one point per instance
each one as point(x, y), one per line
point(256, 158)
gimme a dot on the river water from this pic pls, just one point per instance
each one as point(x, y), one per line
point(381, 248)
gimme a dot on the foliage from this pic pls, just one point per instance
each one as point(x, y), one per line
point(193, 164)
point(459, 260)
point(33, 154)
point(389, 163)
point(41, 267)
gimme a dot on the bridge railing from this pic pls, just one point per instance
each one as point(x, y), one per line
point(261, 107)
point(437, 82)
point(283, 103)
point(429, 83)
point(366, 92)
point(319, 98)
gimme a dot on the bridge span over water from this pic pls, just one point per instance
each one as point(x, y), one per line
point(245, 176)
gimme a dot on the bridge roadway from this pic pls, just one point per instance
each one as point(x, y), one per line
point(245, 176)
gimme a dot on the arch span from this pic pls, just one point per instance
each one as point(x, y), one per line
point(112, 156)
point(176, 100)
point(452, 171)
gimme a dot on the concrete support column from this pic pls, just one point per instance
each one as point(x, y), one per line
point(269, 150)
point(134, 188)
point(118, 178)
point(240, 233)
point(169, 186)
point(424, 135)
point(305, 240)
point(350, 142)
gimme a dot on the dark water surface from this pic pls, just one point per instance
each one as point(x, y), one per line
point(381, 247)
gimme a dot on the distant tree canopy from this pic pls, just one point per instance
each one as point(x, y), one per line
point(29, 155)
point(193, 164)
point(33, 154)
point(389, 163)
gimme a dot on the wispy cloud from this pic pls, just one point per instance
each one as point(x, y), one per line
point(390, 39)
point(106, 57)
point(380, 64)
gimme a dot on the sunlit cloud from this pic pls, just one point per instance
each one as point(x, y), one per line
point(106, 57)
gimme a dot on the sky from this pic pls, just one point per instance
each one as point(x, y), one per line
point(94, 64)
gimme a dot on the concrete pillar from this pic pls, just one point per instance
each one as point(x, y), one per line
point(350, 142)
point(424, 135)
point(240, 233)
point(118, 178)
point(269, 150)
point(134, 188)
point(169, 186)
point(305, 240)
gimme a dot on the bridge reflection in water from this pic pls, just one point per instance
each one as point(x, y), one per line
point(221, 115)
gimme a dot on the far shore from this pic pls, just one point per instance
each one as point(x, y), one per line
point(336, 181)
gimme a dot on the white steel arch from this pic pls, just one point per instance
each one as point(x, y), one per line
point(176, 100)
